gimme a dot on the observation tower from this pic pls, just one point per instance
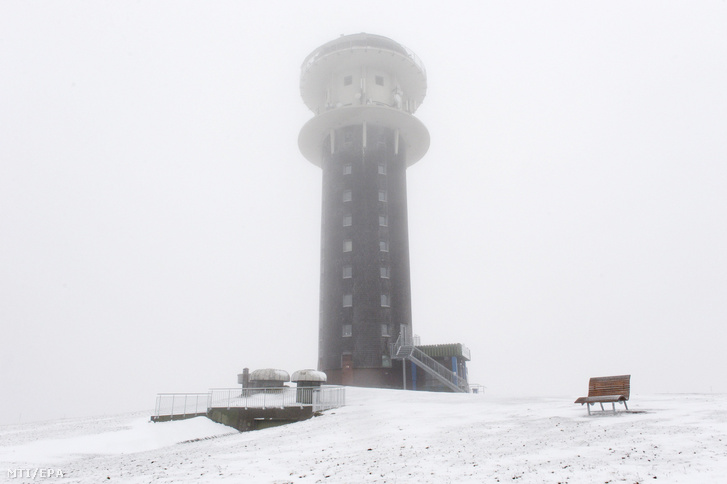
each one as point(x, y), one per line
point(363, 90)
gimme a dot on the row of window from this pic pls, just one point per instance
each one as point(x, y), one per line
point(348, 221)
point(382, 196)
point(348, 300)
point(384, 272)
point(348, 245)
point(348, 330)
point(383, 221)
point(348, 80)
point(347, 169)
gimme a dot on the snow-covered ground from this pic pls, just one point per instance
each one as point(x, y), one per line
point(390, 436)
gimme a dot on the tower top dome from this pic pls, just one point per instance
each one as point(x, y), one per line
point(349, 53)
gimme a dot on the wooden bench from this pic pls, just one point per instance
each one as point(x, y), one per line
point(607, 389)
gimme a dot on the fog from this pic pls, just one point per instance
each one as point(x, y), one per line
point(159, 229)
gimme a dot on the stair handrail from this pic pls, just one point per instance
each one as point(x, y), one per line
point(427, 362)
point(394, 347)
point(442, 370)
point(436, 375)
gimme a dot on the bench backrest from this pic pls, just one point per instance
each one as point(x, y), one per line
point(610, 385)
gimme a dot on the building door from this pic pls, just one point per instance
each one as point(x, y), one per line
point(347, 369)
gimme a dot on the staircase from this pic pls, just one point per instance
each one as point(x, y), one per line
point(405, 350)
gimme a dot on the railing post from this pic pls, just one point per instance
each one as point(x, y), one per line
point(403, 373)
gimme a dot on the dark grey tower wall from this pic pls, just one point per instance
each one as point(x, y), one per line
point(363, 90)
point(366, 188)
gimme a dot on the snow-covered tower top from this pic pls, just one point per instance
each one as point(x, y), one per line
point(362, 78)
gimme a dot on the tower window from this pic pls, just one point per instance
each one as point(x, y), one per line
point(382, 170)
point(383, 246)
point(347, 300)
point(347, 272)
point(385, 272)
point(383, 220)
point(385, 302)
point(346, 220)
point(347, 330)
point(386, 361)
point(346, 169)
point(385, 329)
point(347, 245)
point(379, 80)
point(347, 80)
point(347, 195)
point(382, 195)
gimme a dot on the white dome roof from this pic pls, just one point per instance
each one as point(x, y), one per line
point(309, 375)
point(269, 374)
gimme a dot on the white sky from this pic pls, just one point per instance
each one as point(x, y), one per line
point(159, 229)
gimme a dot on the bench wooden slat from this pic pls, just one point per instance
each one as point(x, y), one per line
point(610, 385)
point(607, 389)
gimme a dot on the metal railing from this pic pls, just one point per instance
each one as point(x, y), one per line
point(361, 41)
point(441, 371)
point(477, 388)
point(181, 404)
point(320, 398)
point(280, 397)
point(404, 349)
point(189, 404)
point(329, 397)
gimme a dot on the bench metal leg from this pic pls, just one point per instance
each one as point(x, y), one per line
point(601, 404)
point(627, 407)
point(614, 407)
point(588, 406)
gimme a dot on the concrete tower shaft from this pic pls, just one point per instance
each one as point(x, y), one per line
point(363, 89)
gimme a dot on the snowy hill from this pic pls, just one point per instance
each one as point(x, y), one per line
point(389, 436)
